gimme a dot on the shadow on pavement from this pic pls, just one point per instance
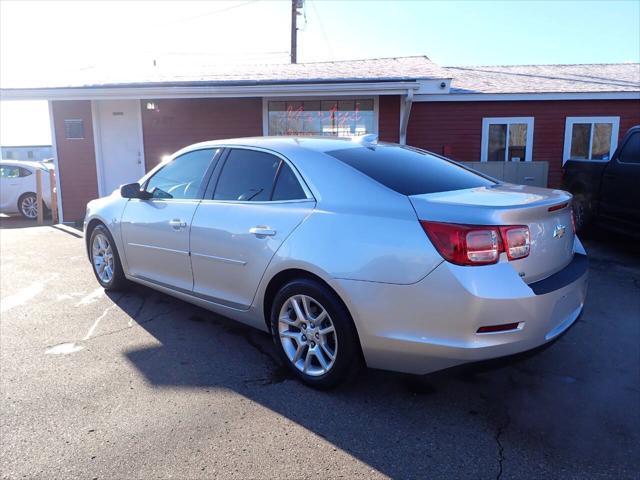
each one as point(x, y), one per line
point(17, 221)
point(404, 427)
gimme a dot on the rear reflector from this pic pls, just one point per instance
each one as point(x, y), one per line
point(558, 207)
point(505, 327)
point(477, 244)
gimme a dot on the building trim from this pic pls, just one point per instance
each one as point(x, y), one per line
point(97, 145)
point(54, 144)
point(363, 88)
point(504, 97)
point(405, 112)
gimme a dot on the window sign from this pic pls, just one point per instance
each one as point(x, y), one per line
point(344, 117)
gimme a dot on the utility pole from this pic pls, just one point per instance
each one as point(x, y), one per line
point(295, 6)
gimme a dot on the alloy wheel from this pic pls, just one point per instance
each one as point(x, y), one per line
point(102, 256)
point(308, 335)
point(29, 206)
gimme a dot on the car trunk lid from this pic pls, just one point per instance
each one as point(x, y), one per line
point(546, 212)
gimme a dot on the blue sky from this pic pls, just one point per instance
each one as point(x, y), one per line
point(450, 33)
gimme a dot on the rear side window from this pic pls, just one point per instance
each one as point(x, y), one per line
point(630, 152)
point(247, 176)
point(409, 171)
point(287, 185)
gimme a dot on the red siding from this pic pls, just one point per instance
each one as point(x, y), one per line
point(76, 159)
point(177, 123)
point(455, 128)
point(389, 118)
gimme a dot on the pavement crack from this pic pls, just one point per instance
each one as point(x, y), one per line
point(501, 429)
point(277, 373)
point(128, 327)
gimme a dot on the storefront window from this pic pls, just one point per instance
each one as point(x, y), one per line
point(321, 117)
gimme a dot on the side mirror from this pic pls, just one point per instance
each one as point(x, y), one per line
point(132, 190)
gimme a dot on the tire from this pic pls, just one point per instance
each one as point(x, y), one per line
point(301, 344)
point(582, 211)
point(28, 206)
point(105, 260)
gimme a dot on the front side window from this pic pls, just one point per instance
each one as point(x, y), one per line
point(345, 117)
point(409, 171)
point(24, 172)
point(507, 139)
point(590, 138)
point(181, 178)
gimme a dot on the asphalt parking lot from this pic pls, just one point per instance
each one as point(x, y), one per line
point(140, 385)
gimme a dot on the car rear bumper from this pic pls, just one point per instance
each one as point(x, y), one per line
point(432, 325)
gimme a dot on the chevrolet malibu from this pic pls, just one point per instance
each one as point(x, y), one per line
point(348, 250)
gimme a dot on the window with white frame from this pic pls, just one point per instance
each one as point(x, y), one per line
point(507, 139)
point(333, 117)
point(590, 138)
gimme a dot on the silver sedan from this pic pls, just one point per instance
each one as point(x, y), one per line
point(348, 251)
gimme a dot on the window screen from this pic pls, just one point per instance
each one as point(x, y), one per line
point(247, 175)
point(409, 171)
point(74, 129)
point(182, 177)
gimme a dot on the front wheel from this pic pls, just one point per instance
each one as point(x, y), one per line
point(105, 259)
point(314, 334)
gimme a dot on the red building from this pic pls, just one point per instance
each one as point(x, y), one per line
point(110, 130)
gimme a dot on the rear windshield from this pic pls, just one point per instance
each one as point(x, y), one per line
point(409, 171)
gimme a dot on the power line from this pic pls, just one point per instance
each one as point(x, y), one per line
point(324, 34)
point(206, 14)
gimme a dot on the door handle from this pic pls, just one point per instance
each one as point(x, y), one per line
point(178, 224)
point(262, 231)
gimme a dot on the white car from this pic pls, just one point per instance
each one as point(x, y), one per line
point(18, 187)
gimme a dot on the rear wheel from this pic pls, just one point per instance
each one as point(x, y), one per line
point(105, 259)
point(28, 206)
point(582, 211)
point(314, 334)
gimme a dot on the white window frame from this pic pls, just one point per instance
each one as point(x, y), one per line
point(568, 134)
point(266, 100)
point(529, 121)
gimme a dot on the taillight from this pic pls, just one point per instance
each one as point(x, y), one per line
point(517, 241)
point(477, 244)
point(573, 220)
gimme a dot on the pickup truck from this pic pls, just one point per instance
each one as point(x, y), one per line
point(607, 193)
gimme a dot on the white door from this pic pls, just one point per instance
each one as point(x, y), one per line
point(119, 141)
